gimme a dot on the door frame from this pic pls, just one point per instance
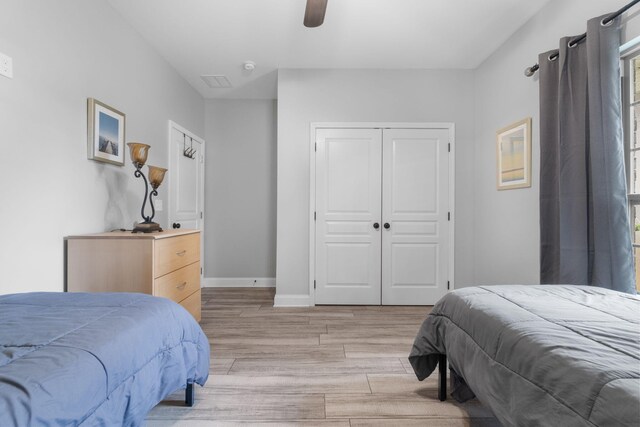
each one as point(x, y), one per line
point(376, 125)
point(170, 186)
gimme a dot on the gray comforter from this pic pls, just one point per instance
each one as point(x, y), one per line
point(551, 355)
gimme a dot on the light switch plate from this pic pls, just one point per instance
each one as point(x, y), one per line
point(6, 66)
point(158, 205)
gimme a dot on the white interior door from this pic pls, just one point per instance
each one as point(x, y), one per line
point(186, 179)
point(348, 204)
point(415, 233)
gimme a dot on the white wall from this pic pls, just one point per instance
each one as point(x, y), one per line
point(240, 236)
point(306, 96)
point(506, 223)
point(64, 52)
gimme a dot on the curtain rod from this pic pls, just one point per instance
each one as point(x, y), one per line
point(530, 71)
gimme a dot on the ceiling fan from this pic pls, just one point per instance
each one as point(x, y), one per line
point(314, 13)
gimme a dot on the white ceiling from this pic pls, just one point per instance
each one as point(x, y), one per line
point(216, 36)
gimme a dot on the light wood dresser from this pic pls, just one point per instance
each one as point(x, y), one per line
point(164, 264)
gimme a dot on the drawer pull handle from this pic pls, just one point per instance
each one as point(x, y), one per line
point(181, 253)
point(181, 285)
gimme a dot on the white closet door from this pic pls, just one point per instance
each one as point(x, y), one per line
point(348, 204)
point(415, 208)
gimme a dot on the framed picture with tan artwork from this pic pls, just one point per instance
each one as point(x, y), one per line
point(106, 135)
point(513, 152)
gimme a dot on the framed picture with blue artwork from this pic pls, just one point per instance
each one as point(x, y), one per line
point(106, 127)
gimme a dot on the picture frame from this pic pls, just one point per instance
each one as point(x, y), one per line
point(513, 155)
point(105, 133)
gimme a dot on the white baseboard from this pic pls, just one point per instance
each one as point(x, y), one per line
point(291, 301)
point(239, 282)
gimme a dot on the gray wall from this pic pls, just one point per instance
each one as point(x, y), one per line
point(506, 223)
point(306, 96)
point(64, 52)
point(240, 234)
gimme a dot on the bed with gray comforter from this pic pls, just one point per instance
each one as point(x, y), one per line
point(551, 355)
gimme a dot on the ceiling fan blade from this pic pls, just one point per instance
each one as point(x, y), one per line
point(314, 14)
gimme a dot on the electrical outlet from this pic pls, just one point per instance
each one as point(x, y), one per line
point(6, 66)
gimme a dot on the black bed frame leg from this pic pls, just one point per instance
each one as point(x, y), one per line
point(442, 377)
point(189, 396)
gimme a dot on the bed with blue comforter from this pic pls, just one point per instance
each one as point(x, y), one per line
point(94, 359)
point(552, 355)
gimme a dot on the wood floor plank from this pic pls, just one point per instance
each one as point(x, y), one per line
point(301, 321)
point(428, 422)
point(234, 423)
point(403, 384)
point(313, 340)
point(287, 384)
point(347, 328)
point(404, 341)
point(227, 311)
point(277, 312)
point(258, 334)
point(219, 366)
point(256, 319)
point(222, 312)
point(363, 332)
point(376, 350)
point(315, 366)
point(398, 405)
point(216, 329)
point(369, 321)
point(407, 366)
point(253, 351)
point(244, 406)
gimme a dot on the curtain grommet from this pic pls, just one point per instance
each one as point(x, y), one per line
point(606, 24)
point(552, 57)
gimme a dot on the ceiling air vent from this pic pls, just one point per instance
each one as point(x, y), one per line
point(217, 81)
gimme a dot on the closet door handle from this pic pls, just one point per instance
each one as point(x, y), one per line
point(376, 225)
point(387, 225)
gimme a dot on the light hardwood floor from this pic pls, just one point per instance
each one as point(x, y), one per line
point(321, 366)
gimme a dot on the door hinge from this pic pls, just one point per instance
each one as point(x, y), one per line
point(201, 271)
point(314, 284)
point(448, 285)
point(315, 147)
point(449, 147)
point(314, 216)
point(448, 216)
point(201, 215)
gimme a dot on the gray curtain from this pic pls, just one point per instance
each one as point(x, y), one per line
point(585, 236)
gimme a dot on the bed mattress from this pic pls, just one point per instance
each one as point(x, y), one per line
point(540, 355)
point(94, 359)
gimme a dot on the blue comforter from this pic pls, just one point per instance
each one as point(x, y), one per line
point(94, 359)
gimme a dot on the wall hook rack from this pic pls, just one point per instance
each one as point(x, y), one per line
point(188, 152)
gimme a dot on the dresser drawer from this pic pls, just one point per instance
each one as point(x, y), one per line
point(178, 284)
point(193, 304)
point(175, 252)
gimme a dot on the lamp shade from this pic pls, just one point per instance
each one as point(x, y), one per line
point(139, 152)
point(156, 175)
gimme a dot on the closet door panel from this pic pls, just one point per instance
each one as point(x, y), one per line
point(415, 205)
point(348, 204)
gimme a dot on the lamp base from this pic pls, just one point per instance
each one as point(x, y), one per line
point(146, 227)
